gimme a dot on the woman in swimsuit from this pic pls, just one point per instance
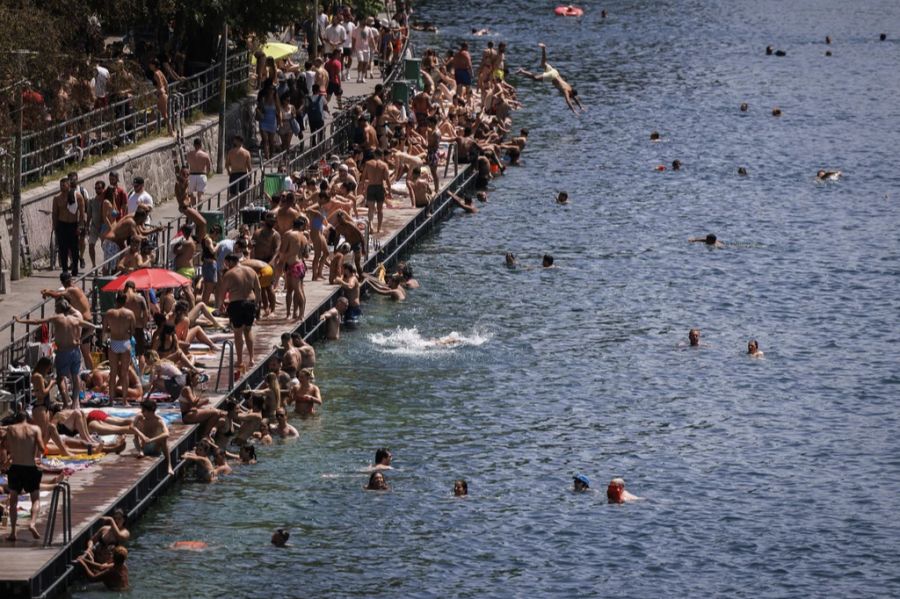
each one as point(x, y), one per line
point(165, 376)
point(165, 344)
point(41, 384)
point(193, 410)
point(184, 332)
point(200, 456)
point(100, 546)
point(318, 221)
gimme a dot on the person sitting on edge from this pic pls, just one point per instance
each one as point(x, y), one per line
point(377, 482)
point(710, 240)
point(383, 459)
point(151, 434)
point(581, 483)
point(616, 493)
point(753, 349)
point(460, 488)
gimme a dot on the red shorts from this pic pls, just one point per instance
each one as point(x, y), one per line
point(97, 415)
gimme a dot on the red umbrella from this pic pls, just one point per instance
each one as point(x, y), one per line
point(148, 278)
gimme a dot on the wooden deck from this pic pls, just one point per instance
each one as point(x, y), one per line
point(122, 481)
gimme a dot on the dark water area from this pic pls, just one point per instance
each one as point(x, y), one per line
point(776, 477)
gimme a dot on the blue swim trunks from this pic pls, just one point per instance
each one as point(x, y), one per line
point(67, 362)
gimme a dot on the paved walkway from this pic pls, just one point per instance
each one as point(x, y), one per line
point(24, 294)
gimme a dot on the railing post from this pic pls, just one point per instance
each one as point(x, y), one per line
point(16, 233)
point(223, 90)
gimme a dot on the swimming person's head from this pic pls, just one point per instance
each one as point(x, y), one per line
point(744, 107)
point(377, 482)
point(752, 346)
point(615, 491)
point(460, 488)
point(711, 239)
point(547, 262)
point(694, 337)
point(654, 136)
point(383, 457)
point(510, 259)
point(581, 483)
point(562, 197)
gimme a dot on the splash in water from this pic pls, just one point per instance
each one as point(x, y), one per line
point(408, 341)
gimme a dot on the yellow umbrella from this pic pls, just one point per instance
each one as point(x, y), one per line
point(278, 50)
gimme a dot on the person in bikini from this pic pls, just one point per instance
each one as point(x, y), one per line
point(294, 247)
point(569, 93)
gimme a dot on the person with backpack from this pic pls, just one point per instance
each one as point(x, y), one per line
point(316, 108)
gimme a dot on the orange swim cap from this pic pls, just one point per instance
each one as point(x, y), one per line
point(661, 167)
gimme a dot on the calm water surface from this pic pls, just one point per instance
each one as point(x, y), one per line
point(777, 477)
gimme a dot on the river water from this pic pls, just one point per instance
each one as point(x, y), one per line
point(776, 477)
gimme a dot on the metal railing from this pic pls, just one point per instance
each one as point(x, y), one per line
point(63, 490)
point(335, 139)
point(121, 123)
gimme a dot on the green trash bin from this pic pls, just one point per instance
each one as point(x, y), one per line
point(273, 183)
point(412, 70)
point(214, 218)
point(106, 300)
point(400, 92)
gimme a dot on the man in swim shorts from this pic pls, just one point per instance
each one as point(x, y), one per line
point(184, 252)
point(119, 324)
point(376, 180)
point(462, 70)
point(294, 244)
point(241, 286)
point(24, 446)
point(200, 166)
point(151, 434)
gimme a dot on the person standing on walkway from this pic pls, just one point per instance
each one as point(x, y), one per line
point(335, 35)
point(139, 197)
point(120, 198)
point(24, 445)
point(200, 167)
point(376, 181)
point(238, 163)
point(82, 224)
point(334, 68)
point(95, 219)
point(67, 215)
point(462, 70)
point(347, 50)
point(268, 109)
point(315, 112)
point(240, 285)
point(78, 300)
point(119, 323)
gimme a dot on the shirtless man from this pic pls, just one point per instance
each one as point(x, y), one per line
point(294, 247)
point(333, 317)
point(133, 259)
point(130, 226)
point(67, 327)
point(241, 285)
point(462, 70)
point(67, 216)
point(569, 94)
point(431, 152)
point(345, 226)
point(186, 200)
point(120, 324)
point(616, 493)
point(420, 194)
point(290, 357)
point(307, 351)
point(305, 395)
point(201, 166)
point(753, 349)
point(351, 288)
point(694, 337)
point(79, 301)
point(185, 249)
point(238, 163)
point(281, 427)
point(464, 203)
point(24, 446)
point(264, 271)
point(151, 436)
point(421, 106)
point(376, 181)
point(113, 575)
point(393, 289)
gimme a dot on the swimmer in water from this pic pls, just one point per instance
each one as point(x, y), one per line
point(828, 175)
point(744, 107)
point(393, 288)
point(742, 171)
point(464, 203)
point(447, 340)
point(280, 537)
point(776, 111)
point(511, 260)
point(676, 165)
point(654, 136)
point(481, 32)
point(547, 261)
point(460, 488)
point(377, 482)
point(581, 483)
point(753, 349)
point(710, 240)
point(383, 459)
point(694, 337)
point(616, 493)
point(562, 198)
point(769, 50)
